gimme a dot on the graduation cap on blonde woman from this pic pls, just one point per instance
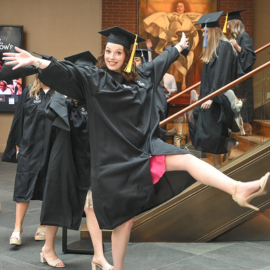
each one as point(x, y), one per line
point(209, 20)
point(232, 15)
point(120, 36)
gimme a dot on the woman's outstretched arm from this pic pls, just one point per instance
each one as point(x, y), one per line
point(61, 76)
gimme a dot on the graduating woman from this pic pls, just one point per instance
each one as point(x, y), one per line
point(123, 122)
point(243, 44)
point(213, 119)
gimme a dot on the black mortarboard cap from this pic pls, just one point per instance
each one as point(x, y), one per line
point(118, 35)
point(7, 73)
point(143, 53)
point(82, 59)
point(44, 56)
point(210, 19)
point(234, 15)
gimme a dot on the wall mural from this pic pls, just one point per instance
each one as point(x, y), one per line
point(163, 21)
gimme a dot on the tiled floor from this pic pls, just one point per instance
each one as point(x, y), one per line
point(146, 256)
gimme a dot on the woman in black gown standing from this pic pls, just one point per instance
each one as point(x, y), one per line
point(243, 44)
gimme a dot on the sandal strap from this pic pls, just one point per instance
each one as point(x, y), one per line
point(54, 262)
point(16, 234)
point(41, 230)
point(41, 233)
point(107, 267)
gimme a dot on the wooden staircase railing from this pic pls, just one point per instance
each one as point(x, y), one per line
point(221, 90)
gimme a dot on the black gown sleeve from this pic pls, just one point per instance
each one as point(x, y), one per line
point(65, 78)
point(247, 56)
point(16, 130)
point(57, 110)
point(160, 65)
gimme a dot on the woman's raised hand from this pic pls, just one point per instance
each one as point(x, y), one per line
point(20, 59)
point(183, 42)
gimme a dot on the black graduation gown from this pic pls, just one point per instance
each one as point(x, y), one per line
point(209, 127)
point(244, 89)
point(34, 138)
point(123, 123)
point(68, 177)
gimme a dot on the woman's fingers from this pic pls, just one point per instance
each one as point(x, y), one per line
point(18, 49)
point(22, 58)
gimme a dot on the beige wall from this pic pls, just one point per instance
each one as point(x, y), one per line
point(53, 27)
point(261, 33)
point(261, 36)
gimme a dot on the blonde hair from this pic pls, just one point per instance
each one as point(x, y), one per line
point(35, 88)
point(237, 28)
point(215, 35)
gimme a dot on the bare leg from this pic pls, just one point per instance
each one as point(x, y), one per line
point(21, 209)
point(96, 236)
point(217, 160)
point(120, 238)
point(208, 175)
point(48, 248)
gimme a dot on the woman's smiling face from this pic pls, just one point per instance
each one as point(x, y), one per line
point(114, 57)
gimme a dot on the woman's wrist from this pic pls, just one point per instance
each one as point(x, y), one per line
point(34, 61)
point(238, 48)
point(178, 47)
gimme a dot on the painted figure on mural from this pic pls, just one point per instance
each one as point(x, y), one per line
point(169, 27)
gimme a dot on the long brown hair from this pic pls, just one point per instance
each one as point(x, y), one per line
point(213, 39)
point(236, 28)
point(129, 77)
point(35, 87)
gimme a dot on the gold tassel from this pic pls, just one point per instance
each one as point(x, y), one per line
point(130, 66)
point(225, 24)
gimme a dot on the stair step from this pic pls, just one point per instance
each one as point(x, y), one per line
point(261, 127)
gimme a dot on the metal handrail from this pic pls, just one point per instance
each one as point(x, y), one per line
point(221, 90)
point(198, 83)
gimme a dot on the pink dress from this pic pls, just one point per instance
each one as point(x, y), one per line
point(157, 167)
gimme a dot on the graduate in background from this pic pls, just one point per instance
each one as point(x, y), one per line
point(244, 46)
point(213, 119)
point(30, 140)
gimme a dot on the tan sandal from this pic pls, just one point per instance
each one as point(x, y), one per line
point(264, 188)
point(96, 266)
point(52, 263)
point(40, 234)
point(15, 239)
